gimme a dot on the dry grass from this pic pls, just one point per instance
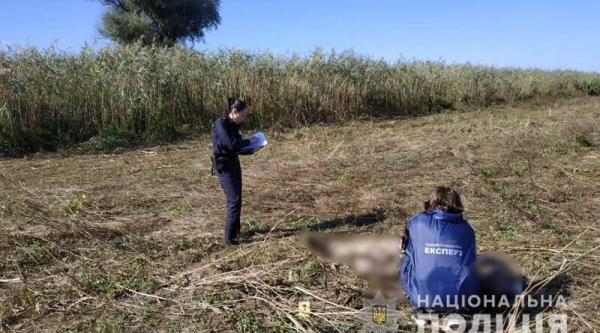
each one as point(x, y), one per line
point(132, 241)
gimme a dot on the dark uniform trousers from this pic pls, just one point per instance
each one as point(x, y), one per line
point(231, 182)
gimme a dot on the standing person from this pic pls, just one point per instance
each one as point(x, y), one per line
point(227, 145)
point(439, 250)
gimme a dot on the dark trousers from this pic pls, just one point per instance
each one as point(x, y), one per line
point(231, 182)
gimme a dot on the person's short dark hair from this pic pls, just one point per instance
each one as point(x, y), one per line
point(446, 199)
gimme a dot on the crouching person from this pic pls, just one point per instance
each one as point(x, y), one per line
point(438, 251)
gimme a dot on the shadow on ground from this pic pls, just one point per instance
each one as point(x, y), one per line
point(362, 220)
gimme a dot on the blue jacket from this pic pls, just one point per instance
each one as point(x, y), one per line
point(439, 250)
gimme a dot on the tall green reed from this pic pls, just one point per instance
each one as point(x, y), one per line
point(50, 98)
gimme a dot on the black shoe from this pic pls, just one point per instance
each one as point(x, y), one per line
point(231, 242)
point(242, 237)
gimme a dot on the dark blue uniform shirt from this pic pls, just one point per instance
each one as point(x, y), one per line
point(227, 139)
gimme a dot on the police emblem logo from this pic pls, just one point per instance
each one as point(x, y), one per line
point(379, 314)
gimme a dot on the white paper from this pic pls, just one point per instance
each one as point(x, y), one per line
point(262, 141)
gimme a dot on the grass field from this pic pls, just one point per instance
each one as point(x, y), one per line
point(131, 241)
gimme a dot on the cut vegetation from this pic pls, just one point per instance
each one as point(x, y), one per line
point(132, 241)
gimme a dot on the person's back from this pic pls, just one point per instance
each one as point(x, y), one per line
point(439, 248)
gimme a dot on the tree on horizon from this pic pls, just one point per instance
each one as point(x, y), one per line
point(159, 22)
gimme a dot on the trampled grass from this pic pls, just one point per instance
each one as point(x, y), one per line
point(131, 242)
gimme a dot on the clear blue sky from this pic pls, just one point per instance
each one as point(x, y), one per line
point(526, 33)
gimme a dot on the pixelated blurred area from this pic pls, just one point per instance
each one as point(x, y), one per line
point(371, 257)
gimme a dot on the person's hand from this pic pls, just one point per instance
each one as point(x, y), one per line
point(254, 139)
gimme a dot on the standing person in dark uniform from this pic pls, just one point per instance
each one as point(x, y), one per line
point(227, 144)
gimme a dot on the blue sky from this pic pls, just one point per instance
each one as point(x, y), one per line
point(535, 33)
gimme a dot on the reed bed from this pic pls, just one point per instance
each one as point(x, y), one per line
point(119, 95)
